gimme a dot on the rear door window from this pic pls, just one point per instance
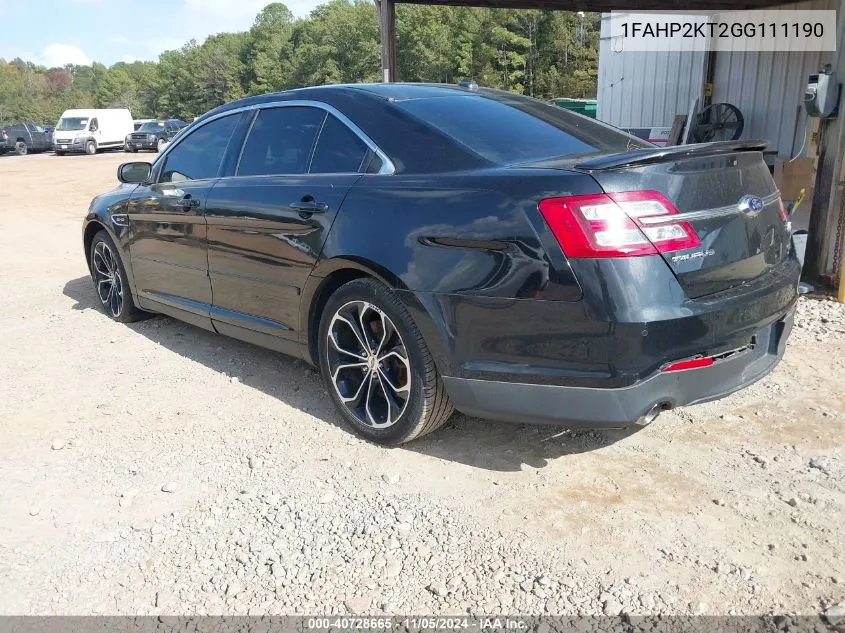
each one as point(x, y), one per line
point(281, 141)
point(509, 129)
point(198, 156)
point(339, 150)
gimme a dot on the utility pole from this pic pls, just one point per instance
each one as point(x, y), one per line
point(387, 28)
point(828, 192)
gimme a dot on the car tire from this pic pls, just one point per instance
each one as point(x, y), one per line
point(110, 282)
point(21, 148)
point(386, 387)
point(160, 144)
point(90, 148)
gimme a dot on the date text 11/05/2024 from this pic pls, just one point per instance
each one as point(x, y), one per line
point(421, 623)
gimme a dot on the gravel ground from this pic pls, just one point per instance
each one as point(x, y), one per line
point(157, 468)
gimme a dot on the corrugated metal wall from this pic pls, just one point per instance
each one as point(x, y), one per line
point(642, 89)
point(649, 89)
point(768, 88)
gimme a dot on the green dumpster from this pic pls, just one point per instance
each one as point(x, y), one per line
point(587, 107)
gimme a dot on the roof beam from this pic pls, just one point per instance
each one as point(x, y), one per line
point(607, 5)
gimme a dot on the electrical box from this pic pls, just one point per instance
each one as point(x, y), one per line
point(821, 96)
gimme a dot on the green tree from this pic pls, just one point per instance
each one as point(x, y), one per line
point(117, 90)
point(218, 71)
point(338, 44)
point(269, 50)
point(425, 43)
point(541, 53)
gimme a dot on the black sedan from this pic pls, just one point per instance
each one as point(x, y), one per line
point(430, 247)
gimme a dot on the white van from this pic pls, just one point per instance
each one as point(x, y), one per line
point(89, 130)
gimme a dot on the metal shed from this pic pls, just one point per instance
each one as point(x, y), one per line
point(647, 89)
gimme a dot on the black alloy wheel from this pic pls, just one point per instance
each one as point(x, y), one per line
point(369, 364)
point(377, 367)
point(110, 280)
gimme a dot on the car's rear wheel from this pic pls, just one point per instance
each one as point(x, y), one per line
point(377, 367)
point(110, 281)
point(21, 148)
point(90, 148)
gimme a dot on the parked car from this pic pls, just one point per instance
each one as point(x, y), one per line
point(154, 135)
point(24, 138)
point(90, 130)
point(430, 247)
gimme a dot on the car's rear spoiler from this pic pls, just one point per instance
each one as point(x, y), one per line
point(662, 154)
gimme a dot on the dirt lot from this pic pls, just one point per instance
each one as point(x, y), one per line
point(157, 468)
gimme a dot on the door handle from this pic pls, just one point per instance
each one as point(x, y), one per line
point(309, 206)
point(188, 202)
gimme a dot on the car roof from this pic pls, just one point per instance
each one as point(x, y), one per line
point(406, 91)
point(393, 92)
point(387, 115)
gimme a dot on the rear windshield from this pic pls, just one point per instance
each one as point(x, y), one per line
point(509, 129)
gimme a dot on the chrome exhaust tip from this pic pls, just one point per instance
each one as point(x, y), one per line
point(652, 414)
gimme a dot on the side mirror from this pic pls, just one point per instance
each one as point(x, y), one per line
point(134, 173)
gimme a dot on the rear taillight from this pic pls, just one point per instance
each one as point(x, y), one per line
point(4, 134)
point(617, 224)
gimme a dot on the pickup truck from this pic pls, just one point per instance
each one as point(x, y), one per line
point(24, 138)
point(154, 135)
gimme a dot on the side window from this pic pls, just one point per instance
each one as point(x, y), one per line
point(339, 150)
point(198, 156)
point(374, 164)
point(280, 141)
point(94, 126)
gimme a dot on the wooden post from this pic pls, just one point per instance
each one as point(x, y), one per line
point(387, 30)
point(827, 193)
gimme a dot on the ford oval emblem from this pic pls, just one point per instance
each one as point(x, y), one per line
point(751, 204)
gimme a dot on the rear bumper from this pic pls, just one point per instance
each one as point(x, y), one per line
point(588, 407)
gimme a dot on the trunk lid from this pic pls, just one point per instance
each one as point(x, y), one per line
point(725, 192)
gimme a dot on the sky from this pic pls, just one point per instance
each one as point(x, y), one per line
point(59, 32)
